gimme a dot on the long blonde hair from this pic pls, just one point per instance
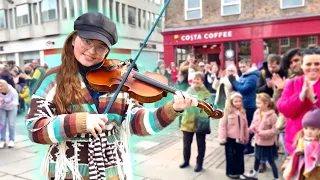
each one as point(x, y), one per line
point(68, 90)
point(230, 106)
point(266, 99)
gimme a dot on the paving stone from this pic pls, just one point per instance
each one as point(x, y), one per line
point(21, 166)
point(10, 177)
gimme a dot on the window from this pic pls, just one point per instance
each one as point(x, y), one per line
point(144, 15)
point(285, 42)
point(230, 7)
point(35, 12)
point(23, 15)
point(193, 9)
point(49, 10)
point(139, 17)
point(123, 13)
point(312, 39)
point(11, 18)
point(306, 41)
point(157, 2)
point(117, 11)
point(291, 3)
point(244, 50)
point(64, 9)
point(80, 7)
point(131, 15)
point(159, 25)
point(111, 9)
point(3, 22)
point(71, 4)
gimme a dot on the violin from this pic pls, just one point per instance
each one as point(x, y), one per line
point(149, 87)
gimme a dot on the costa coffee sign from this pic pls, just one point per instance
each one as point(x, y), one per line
point(203, 36)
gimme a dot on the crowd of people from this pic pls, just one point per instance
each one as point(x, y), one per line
point(266, 109)
point(16, 87)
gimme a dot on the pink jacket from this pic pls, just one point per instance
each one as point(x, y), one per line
point(229, 127)
point(266, 128)
point(294, 109)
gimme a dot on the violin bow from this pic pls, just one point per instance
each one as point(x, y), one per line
point(135, 59)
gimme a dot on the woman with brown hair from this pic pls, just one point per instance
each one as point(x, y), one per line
point(67, 114)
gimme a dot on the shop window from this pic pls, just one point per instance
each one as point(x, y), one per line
point(271, 46)
point(3, 22)
point(306, 41)
point(229, 53)
point(182, 54)
point(284, 4)
point(132, 15)
point(289, 43)
point(230, 7)
point(244, 50)
point(23, 15)
point(193, 9)
point(49, 10)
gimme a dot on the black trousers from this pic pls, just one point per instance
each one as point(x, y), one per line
point(234, 157)
point(250, 113)
point(201, 143)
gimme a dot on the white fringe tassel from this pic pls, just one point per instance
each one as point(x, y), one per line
point(126, 173)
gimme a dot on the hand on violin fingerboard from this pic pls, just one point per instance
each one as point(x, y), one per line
point(182, 100)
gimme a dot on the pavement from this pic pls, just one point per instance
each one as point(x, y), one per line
point(155, 157)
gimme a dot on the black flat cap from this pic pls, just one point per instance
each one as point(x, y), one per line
point(96, 26)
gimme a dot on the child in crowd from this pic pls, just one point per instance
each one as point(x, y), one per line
point(195, 122)
point(233, 133)
point(264, 128)
point(25, 95)
point(305, 161)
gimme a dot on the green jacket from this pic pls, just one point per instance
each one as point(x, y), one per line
point(189, 116)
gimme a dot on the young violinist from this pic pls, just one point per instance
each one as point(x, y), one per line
point(67, 114)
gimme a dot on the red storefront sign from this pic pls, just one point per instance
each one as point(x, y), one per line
point(254, 32)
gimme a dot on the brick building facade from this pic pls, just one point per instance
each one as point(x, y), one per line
point(229, 30)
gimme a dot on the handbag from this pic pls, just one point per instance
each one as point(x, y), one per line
point(203, 125)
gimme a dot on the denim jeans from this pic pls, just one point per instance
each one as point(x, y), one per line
point(8, 117)
point(281, 141)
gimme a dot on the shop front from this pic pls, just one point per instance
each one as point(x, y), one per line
point(255, 41)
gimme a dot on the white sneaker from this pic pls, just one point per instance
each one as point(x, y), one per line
point(2, 144)
point(252, 174)
point(11, 144)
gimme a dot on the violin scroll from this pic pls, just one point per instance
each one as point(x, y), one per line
point(215, 114)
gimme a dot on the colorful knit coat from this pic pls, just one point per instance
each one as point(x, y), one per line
point(69, 143)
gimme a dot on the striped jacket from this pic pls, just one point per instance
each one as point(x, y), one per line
point(47, 127)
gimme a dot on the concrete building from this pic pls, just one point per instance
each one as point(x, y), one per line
point(222, 30)
point(36, 29)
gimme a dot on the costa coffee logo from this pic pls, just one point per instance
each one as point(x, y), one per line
point(201, 36)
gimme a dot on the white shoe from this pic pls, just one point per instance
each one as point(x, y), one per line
point(252, 174)
point(2, 144)
point(11, 144)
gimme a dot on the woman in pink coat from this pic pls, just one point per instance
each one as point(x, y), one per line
point(300, 95)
